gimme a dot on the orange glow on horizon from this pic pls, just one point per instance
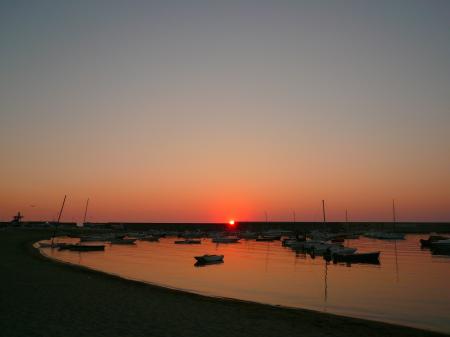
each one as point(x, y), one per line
point(231, 222)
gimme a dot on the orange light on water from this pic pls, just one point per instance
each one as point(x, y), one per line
point(231, 222)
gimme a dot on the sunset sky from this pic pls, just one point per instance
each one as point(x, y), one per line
point(217, 110)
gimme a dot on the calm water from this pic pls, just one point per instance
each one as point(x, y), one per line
point(409, 287)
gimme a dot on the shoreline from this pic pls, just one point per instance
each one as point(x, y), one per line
point(216, 297)
point(114, 303)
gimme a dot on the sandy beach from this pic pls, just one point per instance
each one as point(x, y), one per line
point(45, 298)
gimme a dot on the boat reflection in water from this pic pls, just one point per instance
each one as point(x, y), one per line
point(409, 286)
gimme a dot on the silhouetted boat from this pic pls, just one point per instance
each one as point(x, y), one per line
point(329, 254)
point(433, 238)
point(372, 257)
point(188, 242)
point(123, 241)
point(82, 248)
point(50, 245)
point(209, 258)
point(225, 240)
point(266, 239)
point(441, 244)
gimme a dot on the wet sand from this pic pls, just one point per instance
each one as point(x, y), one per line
point(40, 297)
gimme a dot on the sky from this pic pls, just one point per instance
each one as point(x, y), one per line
point(204, 111)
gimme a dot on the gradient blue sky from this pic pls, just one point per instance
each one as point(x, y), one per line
point(210, 110)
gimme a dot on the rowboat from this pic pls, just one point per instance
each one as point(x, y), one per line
point(372, 257)
point(82, 248)
point(209, 258)
point(123, 241)
point(433, 238)
point(441, 244)
point(188, 242)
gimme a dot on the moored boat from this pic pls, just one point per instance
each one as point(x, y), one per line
point(372, 257)
point(225, 240)
point(82, 248)
point(188, 242)
point(50, 245)
point(441, 244)
point(433, 238)
point(209, 258)
point(150, 238)
point(123, 241)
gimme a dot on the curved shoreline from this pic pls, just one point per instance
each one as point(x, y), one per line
point(236, 301)
point(43, 297)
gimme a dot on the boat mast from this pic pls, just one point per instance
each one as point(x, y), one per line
point(85, 211)
point(59, 218)
point(394, 216)
point(323, 212)
point(346, 220)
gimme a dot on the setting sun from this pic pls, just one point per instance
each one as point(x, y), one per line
point(231, 222)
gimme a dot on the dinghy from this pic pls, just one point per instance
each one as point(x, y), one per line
point(209, 258)
point(188, 242)
point(372, 257)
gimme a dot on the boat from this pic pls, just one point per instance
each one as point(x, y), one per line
point(93, 238)
point(265, 239)
point(322, 248)
point(428, 242)
point(188, 242)
point(209, 258)
point(441, 244)
point(329, 253)
point(123, 241)
point(290, 241)
point(372, 257)
point(50, 245)
point(82, 248)
point(225, 240)
point(390, 236)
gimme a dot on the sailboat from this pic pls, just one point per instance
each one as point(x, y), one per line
point(393, 235)
point(79, 247)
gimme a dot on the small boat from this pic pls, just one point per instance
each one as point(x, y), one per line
point(441, 244)
point(123, 241)
point(329, 254)
point(372, 257)
point(322, 248)
point(433, 238)
point(209, 258)
point(188, 242)
point(289, 242)
point(265, 239)
point(390, 236)
point(225, 240)
point(50, 245)
point(269, 237)
point(82, 248)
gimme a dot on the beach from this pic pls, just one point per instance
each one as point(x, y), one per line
point(41, 297)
